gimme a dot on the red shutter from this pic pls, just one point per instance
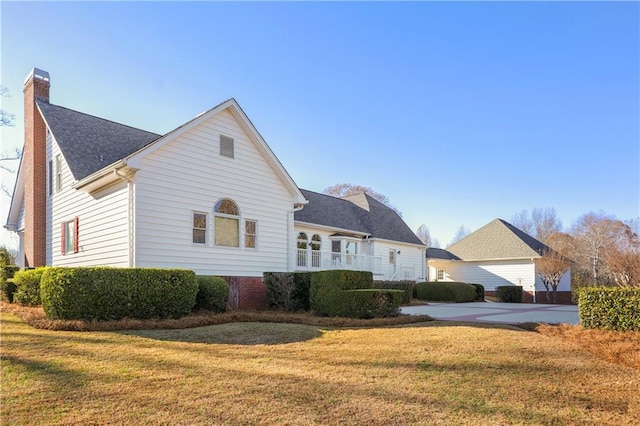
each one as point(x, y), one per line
point(63, 240)
point(75, 239)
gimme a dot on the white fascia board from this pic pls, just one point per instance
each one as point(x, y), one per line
point(399, 242)
point(101, 178)
point(329, 228)
point(501, 259)
point(17, 199)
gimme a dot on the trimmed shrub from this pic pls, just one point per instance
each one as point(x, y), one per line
point(446, 292)
point(213, 293)
point(326, 291)
point(406, 286)
point(114, 293)
point(288, 291)
point(370, 303)
point(479, 292)
point(509, 293)
point(609, 308)
point(8, 289)
point(27, 284)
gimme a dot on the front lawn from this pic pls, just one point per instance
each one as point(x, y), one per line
point(274, 373)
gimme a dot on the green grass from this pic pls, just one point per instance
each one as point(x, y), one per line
point(279, 373)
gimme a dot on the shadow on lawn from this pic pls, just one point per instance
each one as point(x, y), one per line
point(240, 333)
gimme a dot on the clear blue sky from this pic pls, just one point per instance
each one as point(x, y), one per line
point(459, 112)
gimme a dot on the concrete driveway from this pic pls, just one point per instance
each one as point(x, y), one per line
point(508, 313)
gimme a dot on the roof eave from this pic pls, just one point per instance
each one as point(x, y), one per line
point(17, 199)
point(330, 228)
point(102, 178)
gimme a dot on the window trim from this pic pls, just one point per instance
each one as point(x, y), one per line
point(438, 271)
point(50, 178)
point(236, 218)
point(58, 176)
point(67, 236)
point(194, 228)
point(255, 234)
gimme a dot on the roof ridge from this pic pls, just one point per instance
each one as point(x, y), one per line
point(96, 117)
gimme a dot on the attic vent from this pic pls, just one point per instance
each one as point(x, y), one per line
point(226, 146)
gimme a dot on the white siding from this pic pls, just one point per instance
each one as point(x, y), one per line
point(490, 274)
point(188, 174)
point(21, 218)
point(494, 274)
point(409, 264)
point(103, 225)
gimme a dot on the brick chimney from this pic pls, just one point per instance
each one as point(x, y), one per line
point(34, 163)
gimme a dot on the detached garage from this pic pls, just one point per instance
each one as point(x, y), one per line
point(497, 254)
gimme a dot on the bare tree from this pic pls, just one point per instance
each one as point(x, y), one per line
point(425, 236)
point(460, 234)
point(623, 260)
point(6, 118)
point(550, 268)
point(346, 189)
point(523, 222)
point(545, 223)
point(597, 235)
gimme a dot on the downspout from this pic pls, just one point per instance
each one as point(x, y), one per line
point(130, 215)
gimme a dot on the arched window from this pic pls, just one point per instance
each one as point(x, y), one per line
point(227, 223)
point(316, 242)
point(302, 241)
point(302, 249)
point(316, 245)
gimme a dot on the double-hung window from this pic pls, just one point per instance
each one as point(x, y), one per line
point(199, 228)
point(250, 233)
point(69, 237)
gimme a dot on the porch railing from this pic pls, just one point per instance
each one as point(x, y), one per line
point(316, 260)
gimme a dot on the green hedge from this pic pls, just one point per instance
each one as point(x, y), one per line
point(609, 308)
point(7, 286)
point(327, 288)
point(8, 289)
point(479, 292)
point(112, 293)
point(288, 291)
point(370, 303)
point(509, 293)
point(213, 293)
point(406, 286)
point(446, 292)
point(27, 282)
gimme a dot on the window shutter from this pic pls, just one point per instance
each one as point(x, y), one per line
point(76, 244)
point(63, 240)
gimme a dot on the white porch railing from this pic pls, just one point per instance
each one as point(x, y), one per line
point(316, 260)
point(404, 272)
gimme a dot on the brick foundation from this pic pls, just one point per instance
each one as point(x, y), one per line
point(564, 297)
point(247, 293)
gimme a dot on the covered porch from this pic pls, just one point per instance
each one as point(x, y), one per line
point(309, 259)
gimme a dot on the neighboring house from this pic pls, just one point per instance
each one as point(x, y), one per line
point(209, 196)
point(497, 254)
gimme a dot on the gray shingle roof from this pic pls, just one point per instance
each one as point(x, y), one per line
point(379, 221)
point(90, 143)
point(438, 253)
point(497, 240)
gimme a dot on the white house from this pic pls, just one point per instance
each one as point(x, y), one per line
point(209, 196)
point(497, 254)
